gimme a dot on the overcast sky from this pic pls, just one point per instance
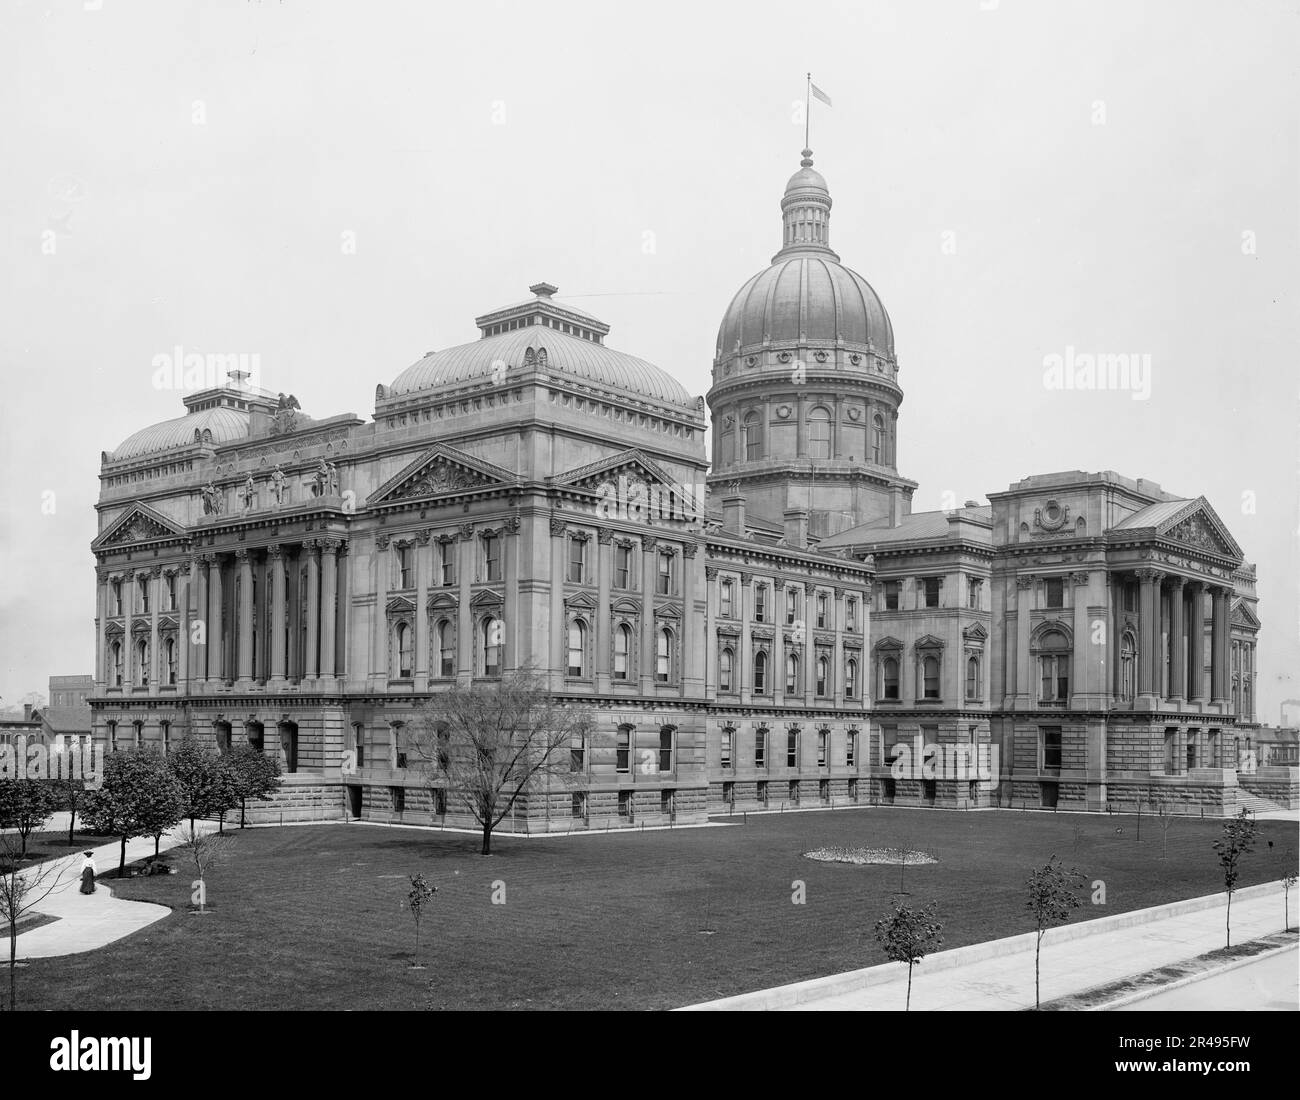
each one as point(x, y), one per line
point(338, 188)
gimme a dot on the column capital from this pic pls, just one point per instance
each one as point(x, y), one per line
point(690, 549)
point(1080, 578)
point(312, 544)
point(423, 536)
point(1149, 576)
point(466, 531)
point(381, 540)
point(1026, 580)
point(604, 536)
point(710, 572)
point(649, 543)
point(746, 578)
point(274, 550)
point(558, 526)
point(330, 546)
point(1175, 580)
point(511, 524)
point(778, 583)
point(241, 554)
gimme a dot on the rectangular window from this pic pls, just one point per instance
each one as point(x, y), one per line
point(577, 560)
point(623, 750)
point(851, 749)
point(144, 597)
point(891, 595)
point(491, 558)
point(760, 604)
point(932, 591)
point(760, 748)
point(359, 743)
point(401, 759)
point(579, 805)
point(824, 790)
point(794, 792)
point(623, 567)
point(667, 802)
point(853, 789)
point(726, 611)
point(823, 745)
point(792, 749)
point(727, 736)
point(729, 793)
point(447, 562)
point(851, 615)
point(625, 804)
point(666, 750)
point(822, 610)
point(762, 792)
point(577, 757)
point(166, 728)
point(398, 795)
point(665, 574)
point(973, 587)
point(791, 606)
point(1051, 746)
point(663, 656)
point(1055, 591)
point(171, 592)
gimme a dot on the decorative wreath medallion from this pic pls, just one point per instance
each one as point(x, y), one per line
point(820, 356)
point(854, 413)
point(784, 356)
point(855, 358)
point(783, 412)
point(751, 360)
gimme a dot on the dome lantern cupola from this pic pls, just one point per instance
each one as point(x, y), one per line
point(806, 212)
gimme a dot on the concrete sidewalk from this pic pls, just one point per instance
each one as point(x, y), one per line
point(999, 976)
point(88, 921)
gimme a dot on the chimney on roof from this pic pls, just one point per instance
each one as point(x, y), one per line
point(733, 510)
point(896, 512)
point(972, 504)
point(796, 527)
point(27, 712)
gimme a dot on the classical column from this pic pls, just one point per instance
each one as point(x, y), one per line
point(836, 434)
point(778, 641)
point(245, 567)
point(510, 556)
point(101, 613)
point(600, 633)
point(184, 613)
point(1081, 672)
point(691, 681)
point(557, 659)
point(276, 558)
point(343, 615)
point(422, 554)
point(745, 657)
point(379, 616)
point(809, 666)
point(801, 433)
point(128, 638)
point(311, 665)
point(837, 625)
point(1024, 682)
point(711, 633)
point(329, 573)
point(649, 650)
point(1219, 645)
point(1149, 622)
point(465, 613)
point(215, 649)
point(1177, 642)
point(1196, 641)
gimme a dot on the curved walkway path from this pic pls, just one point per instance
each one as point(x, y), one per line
point(88, 921)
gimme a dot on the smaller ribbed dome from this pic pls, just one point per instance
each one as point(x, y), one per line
point(223, 425)
point(807, 179)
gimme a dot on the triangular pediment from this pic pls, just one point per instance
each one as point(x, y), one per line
point(631, 481)
point(929, 642)
point(399, 604)
point(1243, 616)
point(437, 472)
point(139, 524)
point(975, 633)
point(888, 642)
point(581, 600)
point(486, 598)
point(667, 611)
point(1198, 525)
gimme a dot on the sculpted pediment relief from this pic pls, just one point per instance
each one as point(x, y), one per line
point(139, 524)
point(437, 472)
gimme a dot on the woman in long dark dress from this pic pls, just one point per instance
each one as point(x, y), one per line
point(88, 873)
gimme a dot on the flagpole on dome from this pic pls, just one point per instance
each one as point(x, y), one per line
point(807, 105)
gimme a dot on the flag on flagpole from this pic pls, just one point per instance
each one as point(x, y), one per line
point(819, 94)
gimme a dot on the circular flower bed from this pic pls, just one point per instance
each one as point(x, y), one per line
point(893, 856)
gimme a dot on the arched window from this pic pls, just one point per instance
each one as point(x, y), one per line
point(850, 678)
point(446, 649)
point(878, 439)
point(760, 673)
point(725, 662)
point(622, 651)
point(753, 435)
point(492, 630)
point(663, 655)
point(972, 677)
point(1127, 668)
point(930, 677)
point(115, 659)
point(889, 678)
point(403, 651)
point(1054, 667)
point(819, 433)
point(823, 668)
point(169, 652)
point(577, 648)
point(142, 662)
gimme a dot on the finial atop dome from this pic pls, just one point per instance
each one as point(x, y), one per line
point(807, 159)
point(543, 290)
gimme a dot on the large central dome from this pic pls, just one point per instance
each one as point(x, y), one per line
point(807, 297)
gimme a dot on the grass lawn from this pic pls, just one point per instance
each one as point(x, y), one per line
point(311, 917)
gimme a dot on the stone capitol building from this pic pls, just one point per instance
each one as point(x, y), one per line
point(767, 625)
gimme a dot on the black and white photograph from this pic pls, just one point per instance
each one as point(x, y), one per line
point(587, 507)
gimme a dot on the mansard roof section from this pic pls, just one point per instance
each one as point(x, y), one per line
point(440, 470)
point(973, 525)
point(1184, 522)
point(137, 525)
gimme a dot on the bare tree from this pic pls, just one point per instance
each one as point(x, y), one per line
point(1053, 895)
point(1238, 839)
point(21, 890)
point(205, 851)
point(1165, 814)
point(488, 744)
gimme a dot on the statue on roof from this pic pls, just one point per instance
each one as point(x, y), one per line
point(277, 484)
point(212, 501)
point(320, 479)
point(285, 417)
point(248, 492)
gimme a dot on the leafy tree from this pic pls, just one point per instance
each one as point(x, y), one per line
point(1053, 895)
point(139, 797)
point(21, 890)
point(69, 794)
point(421, 893)
point(488, 743)
point(207, 784)
point(25, 805)
point(907, 935)
point(256, 775)
point(1237, 839)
